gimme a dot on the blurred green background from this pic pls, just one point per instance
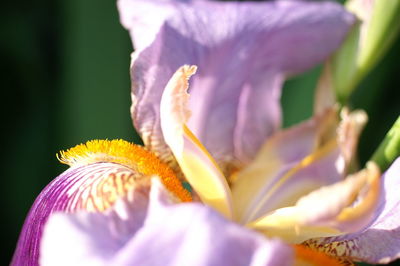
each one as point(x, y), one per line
point(65, 80)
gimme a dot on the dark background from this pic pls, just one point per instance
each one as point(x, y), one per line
point(65, 80)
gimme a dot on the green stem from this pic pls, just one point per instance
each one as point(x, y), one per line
point(389, 149)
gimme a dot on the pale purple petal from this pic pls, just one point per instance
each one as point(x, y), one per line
point(193, 234)
point(91, 187)
point(380, 242)
point(243, 52)
point(107, 237)
point(181, 234)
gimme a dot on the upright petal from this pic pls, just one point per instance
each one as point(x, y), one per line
point(182, 234)
point(243, 51)
point(379, 242)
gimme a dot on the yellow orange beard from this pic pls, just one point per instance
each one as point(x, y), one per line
point(136, 158)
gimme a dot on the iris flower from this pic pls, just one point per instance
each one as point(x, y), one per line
point(259, 194)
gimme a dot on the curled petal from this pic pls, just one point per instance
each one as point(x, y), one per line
point(171, 235)
point(345, 207)
point(244, 52)
point(349, 131)
point(380, 241)
point(199, 167)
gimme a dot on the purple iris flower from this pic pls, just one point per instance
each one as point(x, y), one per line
point(261, 195)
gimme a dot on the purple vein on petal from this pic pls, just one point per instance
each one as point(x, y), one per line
point(93, 187)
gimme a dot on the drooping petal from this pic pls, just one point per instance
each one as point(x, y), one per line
point(93, 187)
point(101, 172)
point(380, 242)
point(196, 163)
point(181, 234)
point(65, 234)
point(243, 51)
point(345, 207)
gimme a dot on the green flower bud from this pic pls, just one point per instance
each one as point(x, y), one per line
point(365, 45)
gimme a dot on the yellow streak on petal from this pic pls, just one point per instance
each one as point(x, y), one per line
point(253, 209)
point(285, 223)
point(122, 152)
point(250, 184)
point(199, 168)
point(328, 211)
point(203, 174)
